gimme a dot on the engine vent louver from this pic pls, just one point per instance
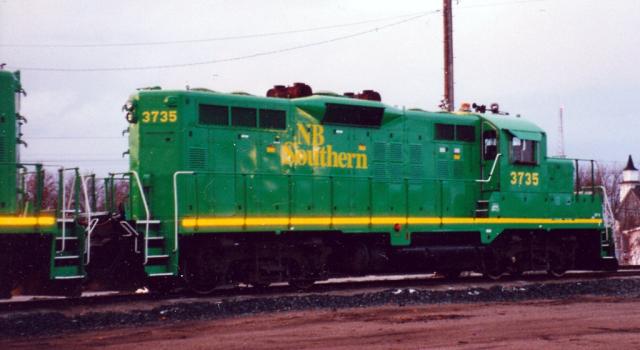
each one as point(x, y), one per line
point(197, 158)
point(379, 170)
point(395, 152)
point(3, 150)
point(442, 167)
point(380, 151)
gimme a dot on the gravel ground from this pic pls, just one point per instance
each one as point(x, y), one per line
point(48, 323)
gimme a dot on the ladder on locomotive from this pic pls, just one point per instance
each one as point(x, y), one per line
point(149, 240)
point(76, 219)
point(482, 204)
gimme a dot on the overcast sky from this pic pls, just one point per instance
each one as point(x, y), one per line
point(530, 56)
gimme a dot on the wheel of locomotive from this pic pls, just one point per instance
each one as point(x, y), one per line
point(557, 265)
point(516, 265)
point(493, 266)
point(200, 272)
point(301, 275)
point(302, 284)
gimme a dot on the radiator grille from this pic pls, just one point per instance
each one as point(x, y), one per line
point(415, 153)
point(3, 150)
point(380, 151)
point(395, 152)
point(443, 168)
point(197, 158)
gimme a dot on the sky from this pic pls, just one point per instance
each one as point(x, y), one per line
point(80, 60)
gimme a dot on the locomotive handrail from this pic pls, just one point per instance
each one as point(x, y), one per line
point(493, 167)
point(132, 232)
point(146, 210)
point(91, 224)
point(63, 206)
point(175, 204)
point(608, 215)
point(226, 173)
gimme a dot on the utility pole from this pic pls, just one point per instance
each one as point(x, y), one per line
point(448, 56)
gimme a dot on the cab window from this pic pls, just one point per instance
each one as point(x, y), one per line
point(445, 132)
point(523, 151)
point(489, 144)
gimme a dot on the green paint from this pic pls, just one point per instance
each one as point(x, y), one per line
point(317, 169)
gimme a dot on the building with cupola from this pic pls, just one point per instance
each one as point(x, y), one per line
point(628, 215)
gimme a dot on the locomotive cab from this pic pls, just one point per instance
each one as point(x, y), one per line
point(513, 167)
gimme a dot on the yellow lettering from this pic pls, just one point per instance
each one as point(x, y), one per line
point(520, 176)
point(343, 159)
point(303, 134)
point(146, 117)
point(318, 135)
point(318, 156)
point(164, 116)
point(288, 154)
point(361, 161)
point(333, 157)
point(301, 157)
point(350, 163)
point(323, 157)
point(526, 178)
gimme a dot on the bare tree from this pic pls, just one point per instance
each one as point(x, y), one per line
point(49, 200)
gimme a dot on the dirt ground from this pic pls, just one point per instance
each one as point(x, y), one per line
point(588, 322)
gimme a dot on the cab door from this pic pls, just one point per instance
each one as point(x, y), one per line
point(490, 158)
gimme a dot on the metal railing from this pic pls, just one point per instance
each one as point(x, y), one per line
point(578, 176)
point(65, 204)
point(438, 183)
point(175, 204)
point(147, 220)
point(493, 168)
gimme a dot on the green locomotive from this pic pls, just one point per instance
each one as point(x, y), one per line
point(42, 250)
point(298, 187)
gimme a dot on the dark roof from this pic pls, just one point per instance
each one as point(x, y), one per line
point(630, 164)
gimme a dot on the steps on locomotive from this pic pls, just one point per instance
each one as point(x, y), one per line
point(159, 255)
point(482, 209)
point(68, 257)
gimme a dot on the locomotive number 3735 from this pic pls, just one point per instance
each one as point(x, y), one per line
point(159, 116)
point(524, 178)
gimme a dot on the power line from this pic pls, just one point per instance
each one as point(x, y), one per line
point(229, 59)
point(204, 40)
point(248, 36)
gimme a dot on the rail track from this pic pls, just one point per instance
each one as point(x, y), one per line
point(339, 285)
